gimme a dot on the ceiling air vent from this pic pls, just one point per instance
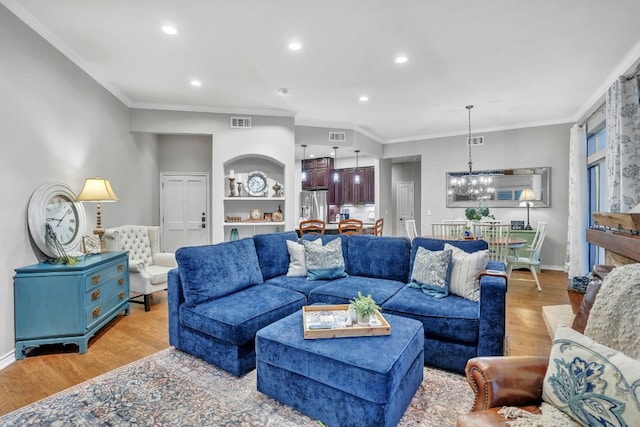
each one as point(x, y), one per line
point(240, 122)
point(475, 140)
point(337, 136)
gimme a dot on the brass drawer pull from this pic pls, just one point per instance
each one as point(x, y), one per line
point(120, 268)
point(121, 281)
point(121, 296)
point(97, 311)
point(95, 279)
point(95, 295)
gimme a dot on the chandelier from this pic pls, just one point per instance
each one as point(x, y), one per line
point(471, 186)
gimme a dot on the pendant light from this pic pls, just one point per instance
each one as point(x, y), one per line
point(303, 174)
point(336, 176)
point(356, 178)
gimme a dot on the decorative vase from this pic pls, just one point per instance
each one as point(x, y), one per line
point(364, 320)
point(231, 187)
point(234, 234)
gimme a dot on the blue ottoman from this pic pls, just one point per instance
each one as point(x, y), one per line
point(361, 381)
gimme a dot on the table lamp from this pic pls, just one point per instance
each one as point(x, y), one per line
point(98, 190)
point(527, 196)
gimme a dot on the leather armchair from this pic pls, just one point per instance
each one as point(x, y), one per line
point(503, 381)
point(148, 267)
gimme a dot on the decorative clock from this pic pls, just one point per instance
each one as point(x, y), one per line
point(256, 184)
point(54, 205)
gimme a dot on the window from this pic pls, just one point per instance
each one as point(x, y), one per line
point(596, 171)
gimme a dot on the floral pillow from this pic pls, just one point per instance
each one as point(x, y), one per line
point(592, 383)
point(465, 269)
point(431, 272)
point(324, 262)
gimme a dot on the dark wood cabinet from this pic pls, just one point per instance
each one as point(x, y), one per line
point(336, 189)
point(318, 173)
point(349, 192)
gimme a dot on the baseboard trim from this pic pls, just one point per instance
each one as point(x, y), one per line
point(7, 359)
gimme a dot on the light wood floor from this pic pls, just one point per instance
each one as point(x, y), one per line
point(128, 338)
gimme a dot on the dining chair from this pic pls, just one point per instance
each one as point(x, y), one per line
point(312, 226)
point(410, 227)
point(377, 227)
point(448, 231)
point(497, 237)
point(350, 226)
point(531, 256)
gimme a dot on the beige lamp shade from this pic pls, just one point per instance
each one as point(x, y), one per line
point(97, 190)
point(527, 195)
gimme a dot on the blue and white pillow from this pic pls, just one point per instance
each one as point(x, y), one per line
point(324, 262)
point(590, 382)
point(431, 272)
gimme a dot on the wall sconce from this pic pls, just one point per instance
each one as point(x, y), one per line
point(97, 190)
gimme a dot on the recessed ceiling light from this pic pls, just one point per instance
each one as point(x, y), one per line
point(284, 91)
point(169, 30)
point(401, 59)
point(196, 83)
point(312, 155)
point(364, 98)
point(295, 46)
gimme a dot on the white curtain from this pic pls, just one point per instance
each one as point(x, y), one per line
point(623, 145)
point(577, 258)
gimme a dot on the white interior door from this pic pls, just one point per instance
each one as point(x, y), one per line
point(184, 210)
point(405, 204)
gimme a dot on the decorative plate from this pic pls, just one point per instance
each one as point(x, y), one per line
point(255, 214)
point(256, 184)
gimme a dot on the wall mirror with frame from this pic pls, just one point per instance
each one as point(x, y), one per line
point(506, 184)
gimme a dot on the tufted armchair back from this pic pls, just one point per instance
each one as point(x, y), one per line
point(135, 239)
point(148, 267)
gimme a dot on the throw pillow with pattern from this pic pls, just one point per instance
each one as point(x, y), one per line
point(324, 262)
point(592, 383)
point(465, 268)
point(431, 272)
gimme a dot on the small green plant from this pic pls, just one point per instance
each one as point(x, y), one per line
point(364, 306)
point(477, 213)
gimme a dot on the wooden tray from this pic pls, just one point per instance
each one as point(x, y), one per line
point(334, 326)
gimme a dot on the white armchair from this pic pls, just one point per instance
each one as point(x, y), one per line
point(148, 267)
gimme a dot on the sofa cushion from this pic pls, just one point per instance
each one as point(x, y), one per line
point(431, 271)
point(453, 318)
point(298, 283)
point(237, 317)
point(273, 256)
point(324, 262)
point(594, 384)
point(297, 260)
point(213, 271)
point(379, 257)
point(465, 268)
point(340, 291)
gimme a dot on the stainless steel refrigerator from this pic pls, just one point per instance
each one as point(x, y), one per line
point(314, 205)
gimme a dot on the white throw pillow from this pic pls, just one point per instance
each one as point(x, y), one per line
point(465, 269)
point(297, 261)
point(592, 383)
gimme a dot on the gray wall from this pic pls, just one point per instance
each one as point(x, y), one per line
point(59, 125)
point(537, 146)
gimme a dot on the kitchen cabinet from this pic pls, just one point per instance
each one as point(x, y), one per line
point(318, 173)
point(348, 192)
point(60, 303)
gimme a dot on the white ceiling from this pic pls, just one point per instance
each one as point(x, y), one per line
point(521, 63)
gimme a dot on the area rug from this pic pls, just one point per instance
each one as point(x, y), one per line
point(172, 388)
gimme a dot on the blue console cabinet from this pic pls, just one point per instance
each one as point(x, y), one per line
point(58, 303)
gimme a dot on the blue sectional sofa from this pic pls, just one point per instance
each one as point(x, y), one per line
point(221, 295)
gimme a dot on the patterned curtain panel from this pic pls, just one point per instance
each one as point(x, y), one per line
point(577, 258)
point(623, 145)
